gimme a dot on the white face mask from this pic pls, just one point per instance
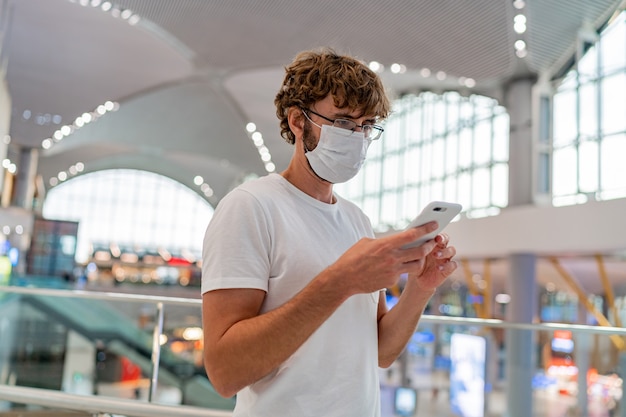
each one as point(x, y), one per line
point(338, 157)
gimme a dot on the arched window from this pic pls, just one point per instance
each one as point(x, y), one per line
point(435, 147)
point(589, 127)
point(130, 208)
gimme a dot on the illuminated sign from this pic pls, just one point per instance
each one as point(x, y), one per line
point(467, 375)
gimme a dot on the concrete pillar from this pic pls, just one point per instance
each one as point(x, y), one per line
point(26, 172)
point(583, 343)
point(521, 344)
point(518, 101)
point(5, 111)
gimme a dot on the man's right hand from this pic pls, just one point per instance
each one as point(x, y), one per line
point(373, 264)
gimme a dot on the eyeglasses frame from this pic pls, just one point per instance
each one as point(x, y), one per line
point(377, 128)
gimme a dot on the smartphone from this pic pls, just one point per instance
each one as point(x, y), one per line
point(440, 211)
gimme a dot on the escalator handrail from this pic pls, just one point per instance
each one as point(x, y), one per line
point(98, 295)
point(98, 404)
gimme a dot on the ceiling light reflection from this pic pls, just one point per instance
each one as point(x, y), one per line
point(80, 121)
point(375, 66)
point(397, 68)
point(264, 152)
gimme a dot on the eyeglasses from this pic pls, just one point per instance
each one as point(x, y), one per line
point(370, 131)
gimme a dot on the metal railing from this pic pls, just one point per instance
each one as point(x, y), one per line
point(131, 408)
point(101, 405)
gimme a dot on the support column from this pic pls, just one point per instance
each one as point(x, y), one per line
point(26, 172)
point(518, 101)
point(521, 344)
point(5, 118)
point(583, 343)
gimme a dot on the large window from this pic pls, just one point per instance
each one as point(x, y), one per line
point(589, 127)
point(134, 209)
point(435, 147)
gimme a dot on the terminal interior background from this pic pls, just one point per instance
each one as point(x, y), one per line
point(123, 124)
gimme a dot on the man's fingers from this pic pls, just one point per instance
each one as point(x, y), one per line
point(442, 239)
point(445, 253)
point(412, 234)
point(448, 267)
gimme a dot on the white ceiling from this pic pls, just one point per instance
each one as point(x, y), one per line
point(192, 73)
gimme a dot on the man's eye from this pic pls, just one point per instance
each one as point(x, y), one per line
point(345, 124)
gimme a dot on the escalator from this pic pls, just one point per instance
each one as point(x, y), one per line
point(34, 351)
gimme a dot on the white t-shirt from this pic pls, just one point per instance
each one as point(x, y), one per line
point(269, 235)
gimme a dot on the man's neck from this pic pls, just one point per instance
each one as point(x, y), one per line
point(302, 177)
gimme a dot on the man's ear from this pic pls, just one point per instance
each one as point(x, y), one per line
point(295, 118)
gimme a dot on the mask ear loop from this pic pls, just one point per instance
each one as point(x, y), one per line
point(309, 119)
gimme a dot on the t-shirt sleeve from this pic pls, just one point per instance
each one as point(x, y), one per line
point(236, 246)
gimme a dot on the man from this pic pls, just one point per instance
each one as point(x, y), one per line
point(295, 322)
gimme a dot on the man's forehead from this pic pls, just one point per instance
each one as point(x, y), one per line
point(352, 113)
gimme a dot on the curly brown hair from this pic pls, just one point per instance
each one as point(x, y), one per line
point(316, 73)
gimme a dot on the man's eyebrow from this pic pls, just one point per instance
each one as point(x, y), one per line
point(345, 115)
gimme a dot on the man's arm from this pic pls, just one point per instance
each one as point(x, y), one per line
point(241, 346)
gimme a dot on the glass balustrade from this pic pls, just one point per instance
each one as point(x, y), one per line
point(147, 350)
